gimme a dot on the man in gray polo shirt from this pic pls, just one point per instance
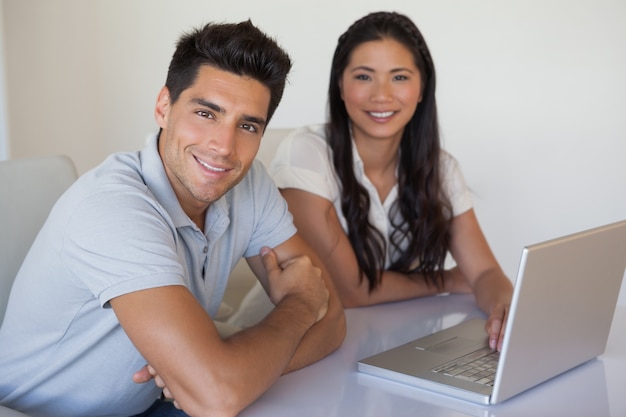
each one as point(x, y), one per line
point(134, 259)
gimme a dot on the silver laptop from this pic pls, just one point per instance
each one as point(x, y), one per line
point(563, 303)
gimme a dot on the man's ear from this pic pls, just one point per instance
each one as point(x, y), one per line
point(162, 107)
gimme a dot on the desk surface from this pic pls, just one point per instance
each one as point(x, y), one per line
point(334, 388)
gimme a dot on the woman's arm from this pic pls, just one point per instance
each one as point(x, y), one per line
point(491, 288)
point(317, 222)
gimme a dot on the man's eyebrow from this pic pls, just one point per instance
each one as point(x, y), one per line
point(257, 120)
point(248, 118)
point(208, 104)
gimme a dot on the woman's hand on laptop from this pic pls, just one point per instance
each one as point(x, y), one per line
point(496, 323)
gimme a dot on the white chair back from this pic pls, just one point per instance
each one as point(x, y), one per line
point(29, 187)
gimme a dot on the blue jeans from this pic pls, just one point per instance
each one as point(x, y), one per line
point(161, 408)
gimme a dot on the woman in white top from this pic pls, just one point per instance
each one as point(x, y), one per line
point(372, 191)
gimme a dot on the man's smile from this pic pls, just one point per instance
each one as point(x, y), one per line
point(210, 167)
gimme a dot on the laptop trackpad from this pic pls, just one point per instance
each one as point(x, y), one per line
point(451, 345)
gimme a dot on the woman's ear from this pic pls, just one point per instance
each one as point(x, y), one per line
point(162, 107)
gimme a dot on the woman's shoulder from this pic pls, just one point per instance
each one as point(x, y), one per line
point(304, 144)
point(302, 161)
point(445, 156)
point(447, 161)
point(310, 135)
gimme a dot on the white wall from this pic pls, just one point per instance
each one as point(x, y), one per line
point(532, 93)
point(4, 140)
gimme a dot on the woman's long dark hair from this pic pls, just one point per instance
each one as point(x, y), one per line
point(424, 209)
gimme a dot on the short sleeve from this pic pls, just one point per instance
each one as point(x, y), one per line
point(302, 161)
point(272, 223)
point(130, 247)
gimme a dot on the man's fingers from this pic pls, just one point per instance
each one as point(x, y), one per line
point(143, 375)
point(148, 373)
point(269, 260)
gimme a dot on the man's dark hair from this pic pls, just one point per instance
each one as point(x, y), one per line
point(240, 48)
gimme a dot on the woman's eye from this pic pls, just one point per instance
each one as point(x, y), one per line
point(401, 78)
point(362, 77)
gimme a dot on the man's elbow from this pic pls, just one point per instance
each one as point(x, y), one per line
point(350, 297)
point(226, 403)
point(338, 320)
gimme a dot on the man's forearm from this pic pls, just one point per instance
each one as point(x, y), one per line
point(321, 339)
point(275, 339)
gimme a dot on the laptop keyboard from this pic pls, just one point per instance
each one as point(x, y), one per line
point(478, 366)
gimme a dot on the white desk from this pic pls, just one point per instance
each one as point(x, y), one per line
point(334, 388)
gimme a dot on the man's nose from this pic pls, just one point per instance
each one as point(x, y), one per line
point(222, 140)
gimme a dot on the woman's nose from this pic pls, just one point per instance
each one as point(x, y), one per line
point(381, 92)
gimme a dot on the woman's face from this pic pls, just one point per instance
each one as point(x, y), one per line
point(381, 88)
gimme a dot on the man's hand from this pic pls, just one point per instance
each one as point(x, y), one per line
point(296, 277)
point(147, 373)
point(142, 376)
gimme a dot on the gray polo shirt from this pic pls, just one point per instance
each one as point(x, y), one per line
point(119, 229)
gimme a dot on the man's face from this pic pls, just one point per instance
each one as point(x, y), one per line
point(210, 135)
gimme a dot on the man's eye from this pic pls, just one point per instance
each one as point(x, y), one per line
point(204, 114)
point(250, 128)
